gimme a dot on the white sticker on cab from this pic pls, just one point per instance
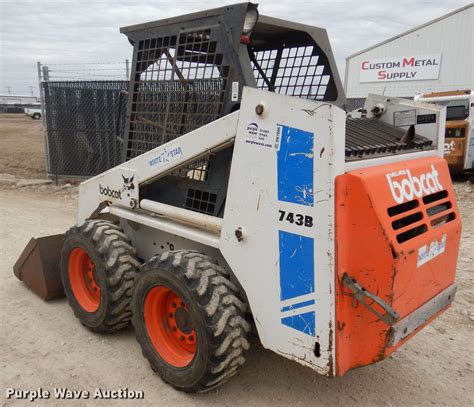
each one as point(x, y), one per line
point(430, 251)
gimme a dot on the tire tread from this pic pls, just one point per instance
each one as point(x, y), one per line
point(225, 312)
point(120, 262)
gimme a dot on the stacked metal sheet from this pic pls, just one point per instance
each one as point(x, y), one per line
point(367, 138)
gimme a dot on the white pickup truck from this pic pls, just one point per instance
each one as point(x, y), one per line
point(33, 112)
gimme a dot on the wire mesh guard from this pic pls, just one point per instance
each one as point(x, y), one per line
point(293, 71)
point(201, 201)
point(197, 170)
point(85, 126)
point(178, 87)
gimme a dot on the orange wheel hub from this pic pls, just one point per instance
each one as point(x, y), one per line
point(170, 326)
point(81, 277)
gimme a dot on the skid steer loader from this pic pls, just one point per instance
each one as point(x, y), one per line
point(459, 139)
point(247, 199)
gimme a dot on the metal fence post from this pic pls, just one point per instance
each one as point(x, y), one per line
point(43, 115)
point(45, 73)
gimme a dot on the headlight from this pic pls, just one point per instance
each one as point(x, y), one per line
point(251, 19)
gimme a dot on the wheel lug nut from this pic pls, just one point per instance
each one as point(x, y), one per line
point(191, 338)
point(181, 338)
point(173, 304)
point(170, 315)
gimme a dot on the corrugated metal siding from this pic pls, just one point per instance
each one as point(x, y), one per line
point(451, 36)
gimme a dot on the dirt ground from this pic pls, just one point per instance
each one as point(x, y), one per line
point(43, 345)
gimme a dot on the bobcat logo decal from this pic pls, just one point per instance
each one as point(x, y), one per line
point(128, 184)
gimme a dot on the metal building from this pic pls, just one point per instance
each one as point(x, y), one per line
point(436, 56)
point(18, 99)
point(17, 103)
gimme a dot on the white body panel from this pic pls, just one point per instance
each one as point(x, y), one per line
point(253, 204)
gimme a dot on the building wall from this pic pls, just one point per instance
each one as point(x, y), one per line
point(451, 36)
point(18, 99)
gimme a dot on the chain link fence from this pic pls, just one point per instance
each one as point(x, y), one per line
point(84, 108)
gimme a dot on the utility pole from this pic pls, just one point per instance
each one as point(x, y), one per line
point(9, 89)
point(31, 89)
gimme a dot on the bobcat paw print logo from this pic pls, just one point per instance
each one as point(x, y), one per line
point(128, 184)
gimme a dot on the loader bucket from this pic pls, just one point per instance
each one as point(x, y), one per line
point(39, 266)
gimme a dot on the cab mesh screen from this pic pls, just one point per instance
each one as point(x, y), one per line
point(178, 87)
point(293, 71)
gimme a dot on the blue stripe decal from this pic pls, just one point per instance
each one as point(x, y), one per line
point(296, 265)
point(305, 323)
point(295, 166)
point(298, 305)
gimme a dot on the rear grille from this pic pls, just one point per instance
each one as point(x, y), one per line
point(439, 208)
point(403, 207)
point(410, 234)
point(366, 138)
point(413, 218)
point(407, 220)
point(435, 197)
point(436, 223)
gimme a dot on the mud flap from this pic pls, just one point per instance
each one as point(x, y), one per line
point(39, 266)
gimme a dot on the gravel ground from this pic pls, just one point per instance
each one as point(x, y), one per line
point(43, 345)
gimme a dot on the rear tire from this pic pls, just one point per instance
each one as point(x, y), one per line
point(189, 321)
point(36, 116)
point(98, 266)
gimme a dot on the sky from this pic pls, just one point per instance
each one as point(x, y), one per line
point(87, 31)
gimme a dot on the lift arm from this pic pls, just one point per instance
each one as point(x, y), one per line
point(120, 185)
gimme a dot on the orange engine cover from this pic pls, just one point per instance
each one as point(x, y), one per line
point(398, 231)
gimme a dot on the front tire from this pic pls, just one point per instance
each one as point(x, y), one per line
point(189, 321)
point(98, 266)
point(36, 116)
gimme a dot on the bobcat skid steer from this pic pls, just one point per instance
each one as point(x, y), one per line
point(459, 138)
point(247, 199)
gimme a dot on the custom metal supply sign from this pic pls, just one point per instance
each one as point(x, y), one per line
point(404, 68)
